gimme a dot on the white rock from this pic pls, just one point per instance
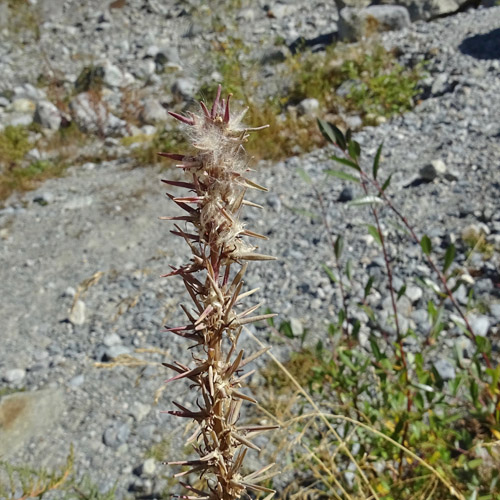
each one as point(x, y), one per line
point(47, 115)
point(185, 88)
point(14, 376)
point(308, 107)
point(480, 324)
point(112, 75)
point(296, 326)
point(77, 313)
point(414, 293)
point(148, 467)
point(23, 105)
point(112, 339)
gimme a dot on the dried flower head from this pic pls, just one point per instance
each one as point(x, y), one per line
point(214, 280)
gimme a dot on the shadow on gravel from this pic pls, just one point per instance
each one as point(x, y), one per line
point(485, 46)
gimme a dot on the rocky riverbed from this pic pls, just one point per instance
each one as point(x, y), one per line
point(81, 256)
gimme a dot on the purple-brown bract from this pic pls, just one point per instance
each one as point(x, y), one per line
point(216, 186)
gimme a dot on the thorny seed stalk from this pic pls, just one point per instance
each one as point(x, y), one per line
point(216, 186)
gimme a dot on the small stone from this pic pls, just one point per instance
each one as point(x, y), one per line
point(346, 195)
point(112, 75)
point(445, 368)
point(184, 88)
point(308, 107)
point(77, 314)
point(153, 112)
point(480, 324)
point(354, 122)
point(47, 115)
point(148, 467)
point(296, 326)
point(112, 339)
point(14, 376)
point(441, 84)
point(69, 292)
point(144, 68)
point(139, 411)
point(414, 293)
point(77, 381)
point(116, 435)
point(114, 351)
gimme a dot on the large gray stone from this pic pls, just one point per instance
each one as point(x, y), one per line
point(359, 4)
point(91, 115)
point(427, 9)
point(27, 415)
point(355, 24)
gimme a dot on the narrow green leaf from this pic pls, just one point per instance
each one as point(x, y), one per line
point(348, 270)
point(376, 161)
point(342, 175)
point(355, 329)
point(339, 246)
point(368, 286)
point(474, 391)
point(366, 200)
point(357, 148)
point(332, 133)
point(387, 183)
point(374, 233)
point(286, 329)
point(375, 349)
point(449, 257)
point(344, 161)
point(401, 291)
point(345, 359)
point(326, 130)
point(341, 142)
point(354, 150)
point(330, 273)
point(304, 175)
point(475, 463)
point(426, 244)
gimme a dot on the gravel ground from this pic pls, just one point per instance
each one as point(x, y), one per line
point(80, 260)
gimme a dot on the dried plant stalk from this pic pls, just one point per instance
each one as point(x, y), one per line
point(214, 280)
